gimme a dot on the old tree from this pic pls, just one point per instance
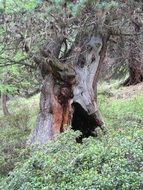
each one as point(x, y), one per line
point(67, 41)
point(70, 77)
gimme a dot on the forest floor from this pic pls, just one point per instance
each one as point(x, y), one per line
point(129, 91)
point(121, 108)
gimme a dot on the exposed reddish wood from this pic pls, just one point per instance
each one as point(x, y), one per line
point(66, 114)
point(57, 112)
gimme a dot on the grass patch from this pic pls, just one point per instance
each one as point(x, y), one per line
point(14, 130)
point(114, 110)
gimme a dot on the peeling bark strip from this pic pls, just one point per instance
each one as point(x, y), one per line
point(68, 93)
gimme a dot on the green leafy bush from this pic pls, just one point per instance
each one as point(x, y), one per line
point(113, 162)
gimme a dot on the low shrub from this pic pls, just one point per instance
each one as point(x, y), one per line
point(109, 163)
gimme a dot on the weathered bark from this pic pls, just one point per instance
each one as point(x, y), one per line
point(53, 114)
point(55, 105)
point(4, 95)
point(68, 93)
point(135, 65)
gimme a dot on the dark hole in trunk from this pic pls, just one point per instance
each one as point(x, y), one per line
point(83, 122)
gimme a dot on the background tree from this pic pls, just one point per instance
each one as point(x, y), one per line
point(127, 49)
point(135, 60)
point(4, 90)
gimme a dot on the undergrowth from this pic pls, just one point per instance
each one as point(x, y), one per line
point(14, 130)
point(110, 162)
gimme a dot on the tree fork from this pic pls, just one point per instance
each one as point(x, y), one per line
point(68, 92)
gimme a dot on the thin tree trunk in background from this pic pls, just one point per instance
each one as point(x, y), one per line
point(4, 104)
point(5, 76)
point(4, 95)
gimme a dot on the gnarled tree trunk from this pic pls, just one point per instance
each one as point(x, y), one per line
point(68, 93)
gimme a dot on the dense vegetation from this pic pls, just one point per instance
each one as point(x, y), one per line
point(114, 162)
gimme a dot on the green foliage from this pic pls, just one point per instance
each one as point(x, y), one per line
point(12, 5)
point(19, 81)
point(7, 88)
point(112, 162)
point(107, 5)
